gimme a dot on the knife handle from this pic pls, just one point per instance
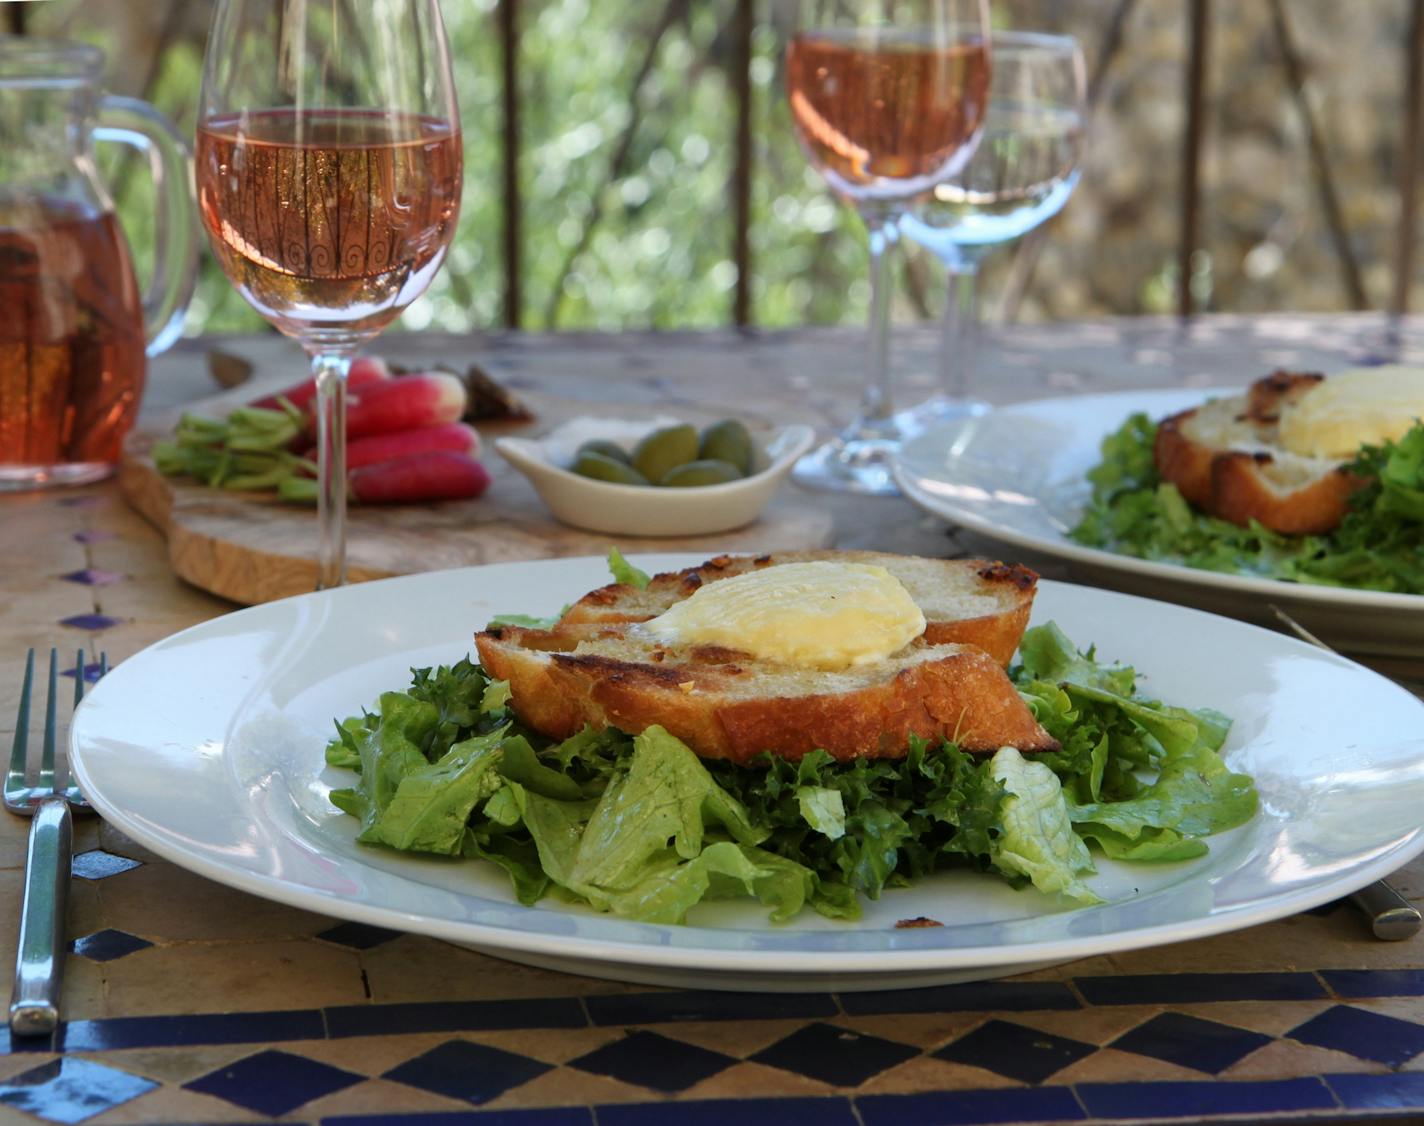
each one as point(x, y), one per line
point(39, 961)
point(1392, 917)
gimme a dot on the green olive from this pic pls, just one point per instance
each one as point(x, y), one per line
point(605, 447)
point(603, 468)
point(707, 471)
point(663, 449)
point(728, 440)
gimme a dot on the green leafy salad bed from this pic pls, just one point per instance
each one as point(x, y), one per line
point(641, 827)
point(1378, 546)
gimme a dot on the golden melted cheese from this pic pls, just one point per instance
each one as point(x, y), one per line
point(821, 615)
point(1352, 409)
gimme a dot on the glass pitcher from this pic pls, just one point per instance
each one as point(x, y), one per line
point(75, 331)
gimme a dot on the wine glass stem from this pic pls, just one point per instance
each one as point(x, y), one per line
point(876, 405)
point(330, 370)
point(961, 329)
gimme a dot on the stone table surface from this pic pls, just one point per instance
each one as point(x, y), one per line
point(185, 1001)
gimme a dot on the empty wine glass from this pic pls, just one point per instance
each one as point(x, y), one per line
point(1021, 175)
point(329, 168)
point(887, 98)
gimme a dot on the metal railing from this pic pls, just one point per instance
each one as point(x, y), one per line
point(1197, 30)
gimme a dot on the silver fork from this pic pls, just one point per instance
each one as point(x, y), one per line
point(1392, 917)
point(34, 790)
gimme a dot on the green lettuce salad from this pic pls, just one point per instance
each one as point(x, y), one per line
point(1378, 546)
point(639, 826)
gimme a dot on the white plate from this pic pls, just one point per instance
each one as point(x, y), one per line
point(208, 748)
point(1016, 475)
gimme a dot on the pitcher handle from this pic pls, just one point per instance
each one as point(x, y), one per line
point(129, 121)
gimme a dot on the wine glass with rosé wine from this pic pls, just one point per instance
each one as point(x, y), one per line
point(329, 168)
point(887, 99)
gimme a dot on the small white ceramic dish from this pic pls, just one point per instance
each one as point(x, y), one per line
point(640, 510)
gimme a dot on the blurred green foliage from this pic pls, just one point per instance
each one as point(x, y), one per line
point(660, 251)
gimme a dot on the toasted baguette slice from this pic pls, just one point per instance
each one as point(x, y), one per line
point(969, 601)
point(1224, 459)
point(728, 705)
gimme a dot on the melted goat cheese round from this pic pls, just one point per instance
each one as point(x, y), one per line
point(821, 615)
point(1353, 408)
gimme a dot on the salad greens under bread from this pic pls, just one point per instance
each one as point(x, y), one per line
point(640, 826)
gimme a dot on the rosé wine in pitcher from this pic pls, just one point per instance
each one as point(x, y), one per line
point(71, 337)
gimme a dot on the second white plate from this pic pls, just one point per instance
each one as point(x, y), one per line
point(1017, 476)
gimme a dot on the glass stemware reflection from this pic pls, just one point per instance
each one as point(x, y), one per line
point(329, 168)
point(887, 101)
point(1021, 175)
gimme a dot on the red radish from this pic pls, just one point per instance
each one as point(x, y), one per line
point(433, 475)
point(365, 370)
point(430, 398)
point(437, 475)
point(457, 437)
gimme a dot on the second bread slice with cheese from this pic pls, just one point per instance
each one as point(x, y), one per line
point(1226, 459)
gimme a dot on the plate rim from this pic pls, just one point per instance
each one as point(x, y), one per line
point(911, 485)
point(912, 952)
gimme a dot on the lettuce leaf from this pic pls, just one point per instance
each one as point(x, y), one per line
point(624, 572)
point(1038, 839)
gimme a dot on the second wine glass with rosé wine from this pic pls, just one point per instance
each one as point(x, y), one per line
point(888, 100)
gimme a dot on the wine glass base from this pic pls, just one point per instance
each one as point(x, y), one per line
point(940, 408)
point(854, 466)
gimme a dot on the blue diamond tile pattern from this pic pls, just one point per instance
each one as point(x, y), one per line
point(358, 936)
point(459, 1069)
point(970, 1108)
point(1181, 989)
point(106, 945)
point(273, 1082)
point(96, 864)
point(92, 576)
point(453, 1016)
point(823, 1111)
point(1375, 983)
point(92, 622)
point(1014, 1051)
point(116, 1033)
point(1188, 1041)
point(71, 1090)
point(1199, 1099)
point(659, 1062)
point(616, 1009)
point(92, 672)
point(974, 996)
point(1395, 1091)
point(835, 1055)
point(543, 1116)
point(1366, 1035)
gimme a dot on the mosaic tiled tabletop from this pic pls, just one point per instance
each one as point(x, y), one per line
point(187, 1002)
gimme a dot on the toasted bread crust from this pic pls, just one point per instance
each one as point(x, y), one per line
point(712, 699)
point(1241, 494)
point(1224, 459)
point(1000, 594)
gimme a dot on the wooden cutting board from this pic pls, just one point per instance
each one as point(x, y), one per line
point(251, 548)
